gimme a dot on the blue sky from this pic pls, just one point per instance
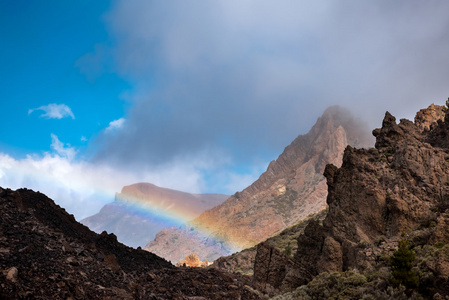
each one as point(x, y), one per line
point(197, 95)
point(42, 41)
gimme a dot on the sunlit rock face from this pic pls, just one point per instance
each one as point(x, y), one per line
point(192, 260)
point(292, 188)
point(143, 209)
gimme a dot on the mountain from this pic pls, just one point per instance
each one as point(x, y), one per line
point(391, 201)
point(46, 254)
point(143, 209)
point(292, 188)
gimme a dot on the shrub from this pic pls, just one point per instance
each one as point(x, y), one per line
point(401, 263)
point(288, 250)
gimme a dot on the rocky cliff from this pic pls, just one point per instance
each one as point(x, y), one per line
point(292, 188)
point(46, 254)
point(143, 209)
point(285, 242)
point(397, 190)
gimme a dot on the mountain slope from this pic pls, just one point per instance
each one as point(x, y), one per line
point(143, 209)
point(46, 254)
point(292, 188)
point(397, 190)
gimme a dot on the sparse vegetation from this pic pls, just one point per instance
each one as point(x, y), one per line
point(284, 202)
point(439, 245)
point(288, 250)
point(401, 266)
point(349, 285)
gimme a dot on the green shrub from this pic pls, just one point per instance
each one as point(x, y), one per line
point(401, 263)
point(288, 250)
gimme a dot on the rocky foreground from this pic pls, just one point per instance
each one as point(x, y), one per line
point(46, 254)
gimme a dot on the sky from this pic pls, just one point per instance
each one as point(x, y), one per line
point(197, 95)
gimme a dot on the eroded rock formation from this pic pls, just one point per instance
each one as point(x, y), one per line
point(399, 189)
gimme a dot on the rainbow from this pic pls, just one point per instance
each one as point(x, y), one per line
point(171, 216)
point(82, 188)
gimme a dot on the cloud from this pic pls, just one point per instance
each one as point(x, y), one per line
point(63, 150)
point(242, 79)
point(116, 124)
point(54, 111)
point(83, 188)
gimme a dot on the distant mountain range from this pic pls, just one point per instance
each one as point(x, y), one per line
point(292, 188)
point(143, 209)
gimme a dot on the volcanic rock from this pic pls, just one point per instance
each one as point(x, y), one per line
point(243, 261)
point(292, 188)
point(427, 117)
point(397, 190)
point(46, 254)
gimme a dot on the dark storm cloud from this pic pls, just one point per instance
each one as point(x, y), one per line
point(229, 81)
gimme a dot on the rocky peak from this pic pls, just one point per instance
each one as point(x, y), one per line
point(169, 200)
point(428, 116)
point(292, 188)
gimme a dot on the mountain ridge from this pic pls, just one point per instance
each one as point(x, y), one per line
point(292, 188)
point(143, 209)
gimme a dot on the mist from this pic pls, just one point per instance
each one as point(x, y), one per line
point(230, 84)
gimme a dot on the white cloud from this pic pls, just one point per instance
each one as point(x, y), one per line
point(63, 150)
point(116, 124)
point(82, 188)
point(54, 111)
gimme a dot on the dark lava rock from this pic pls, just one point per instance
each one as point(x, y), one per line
point(46, 254)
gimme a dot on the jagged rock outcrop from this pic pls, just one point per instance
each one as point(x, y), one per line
point(243, 261)
point(399, 189)
point(274, 270)
point(143, 209)
point(292, 188)
point(427, 116)
point(46, 254)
